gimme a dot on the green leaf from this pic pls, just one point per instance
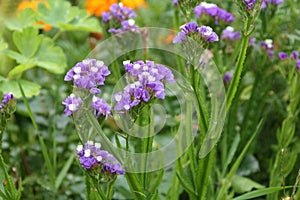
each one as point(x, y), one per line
point(241, 184)
point(51, 57)
point(259, 193)
point(15, 55)
point(27, 41)
point(63, 172)
point(3, 45)
point(26, 18)
point(20, 68)
point(61, 14)
point(30, 88)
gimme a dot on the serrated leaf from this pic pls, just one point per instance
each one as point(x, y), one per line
point(30, 88)
point(51, 57)
point(242, 184)
point(27, 41)
point(26, 18)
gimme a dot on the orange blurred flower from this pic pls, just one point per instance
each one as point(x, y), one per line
point(97, 7)
point(33, 5)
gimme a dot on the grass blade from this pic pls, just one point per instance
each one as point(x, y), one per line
point(64, 172)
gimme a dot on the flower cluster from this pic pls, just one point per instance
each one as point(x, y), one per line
point(268, 46)
point(7, 98)
point(230, 34)
point(276, 2)
point(192, 29)
point(97, 7)
point(121, 16)
point(249, 4)
point(214, 11)
point(88, 75)
point(148, 82)
point(98, 161)
point(294, 56)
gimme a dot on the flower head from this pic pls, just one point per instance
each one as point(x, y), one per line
point(227, 77)
point(7, 100)
point(148, 81)
point(230, 34)
point(214, 11)
point(294, 55)
point(100, 107)
point(192, 29)
point(276, 2)
point(88, 74)
point(298, 64)
point(98, 161)
point(72, 104)
point(249, 4)
point(283, 56)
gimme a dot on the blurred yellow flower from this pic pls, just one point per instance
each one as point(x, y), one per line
point(33, 5)
point(97, 7)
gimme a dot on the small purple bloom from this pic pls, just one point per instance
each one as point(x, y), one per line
point(214, 11)
point(271, 54)
point(252, 41)
point(283, 56)
point(298, 64)
point(96, 160)
point(7, 98)
point(190, 27)
point(276, 2)
point(175, 2)
point(88, 74)
point(208, 34)
point(294, 55)
point(230, 34)
point(227, 77)
point(249, 4)
point(72, 104)
point(148, 81)
point(180, 38)
point(267, 44)
point(100, 107)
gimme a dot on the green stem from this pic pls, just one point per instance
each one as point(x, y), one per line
point(237, 73)
point(109, 191)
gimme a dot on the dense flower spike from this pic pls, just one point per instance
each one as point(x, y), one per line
point(121, 16)
point(283, 56)
point(214, 11)
point(7, 98)
point(148, 82)
point(192, 29)
point(88, 74)
point(249, 4)
point(98, 161)
point(72, 104)
point(230, 34)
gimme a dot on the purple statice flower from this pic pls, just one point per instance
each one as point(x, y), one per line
point(192, 29)
point(88, 74)
point(276, 2)
point(98, 161)
point(122, 18)
point(7, 98)
point(100, 107)
point(208, 34)
point(252, 41)
point(230, 34)
point(175, 2)
point(267, 44)
point(298, 64)
point(249, 4)
point(214, 11)
point(271, 54)
point(227, 77)
point(72, 104)
point(148, 81)
point(283, 56)
point(294, 55)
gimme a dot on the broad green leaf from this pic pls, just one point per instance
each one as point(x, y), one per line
point(26, 18)
point(27, 41)
point(61, 14)
point(20, 68)
point(30, 88)
point(17, 56)
point(51, 57)
point(241, 184)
